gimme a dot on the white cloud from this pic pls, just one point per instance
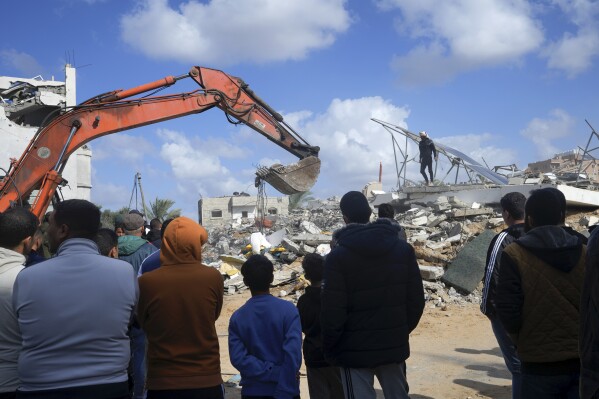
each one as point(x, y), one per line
point(110, 196)
point(197, 167)
point(351, 144)
point(21, 62)
point(542, 132)
point(573, 53)
point(123, 147)
point(461, 35)
point(227, 31)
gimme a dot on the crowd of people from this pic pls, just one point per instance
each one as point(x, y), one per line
point(120, 314)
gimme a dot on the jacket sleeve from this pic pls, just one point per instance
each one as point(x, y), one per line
point(415, 292)
point(288, 382)
point(510, 297)
point(248, 365)
point(433, 148)
point(334, 303)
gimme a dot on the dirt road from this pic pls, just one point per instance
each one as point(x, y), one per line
point(454, 355)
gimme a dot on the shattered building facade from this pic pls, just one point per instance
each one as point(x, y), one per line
point(218, 211)
point(568, 162)
point(25, 103)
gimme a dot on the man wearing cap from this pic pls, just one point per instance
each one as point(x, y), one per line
point(134, 249)
point(372, 298)
point(427, 150)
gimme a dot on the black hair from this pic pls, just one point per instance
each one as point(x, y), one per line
point(155, 223)
point(106, 239)
point(355, 207)
point(164, 224)
point(313, 265)
point(257, 272)
point(544, 207)
point(81, 216)
point(514, 204)
point(386, 211)
point(562, 201)
point(16, 224)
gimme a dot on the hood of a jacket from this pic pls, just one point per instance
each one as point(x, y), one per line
point(554, 246)
point(10, 257)
point(371, 239)
point(182, 242)
point(130, 244)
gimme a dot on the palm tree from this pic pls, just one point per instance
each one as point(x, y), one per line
point(298, 200)
point(160, 209)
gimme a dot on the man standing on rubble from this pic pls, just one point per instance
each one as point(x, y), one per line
point(372, 298)
point(512, 211)
point(538, 300)
point(427, 150)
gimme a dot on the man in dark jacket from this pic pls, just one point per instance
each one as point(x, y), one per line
point(538, 300)
point(372, 298)
point(427, 151)
point(512, 211)
point(589, 323)
point(134, 249)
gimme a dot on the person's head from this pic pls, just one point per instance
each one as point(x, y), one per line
point(512, 207)
point(182, 242)
point(164, 226)
point(155, 224)
point(542, 208)
point(423, 134)
point(313, 265)
point(562, 201)
point(118, 225)
point(38, 239)
point(355, 207)
point(386, 211)
point(17, 228)
point(133, 224)
point(258, 273)
point(108, 243)
point(74, 218)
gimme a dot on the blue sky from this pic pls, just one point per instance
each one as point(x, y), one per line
point(508, 80)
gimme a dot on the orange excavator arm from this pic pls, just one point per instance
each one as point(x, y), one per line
point(43, 161)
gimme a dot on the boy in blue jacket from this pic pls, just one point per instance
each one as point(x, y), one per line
point(265, 337)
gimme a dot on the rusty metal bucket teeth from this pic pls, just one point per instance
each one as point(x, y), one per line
point(294, 178)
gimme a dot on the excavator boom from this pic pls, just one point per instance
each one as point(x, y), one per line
point(42, 162)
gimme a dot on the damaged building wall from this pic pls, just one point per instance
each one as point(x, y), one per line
point(24, 104)
point(219, 211)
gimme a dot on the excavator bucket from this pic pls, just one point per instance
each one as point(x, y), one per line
point(294, 178)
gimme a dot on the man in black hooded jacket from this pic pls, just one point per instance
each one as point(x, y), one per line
point(372, 298)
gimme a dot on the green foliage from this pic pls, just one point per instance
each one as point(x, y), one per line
point(161, 209)
point(298, 200)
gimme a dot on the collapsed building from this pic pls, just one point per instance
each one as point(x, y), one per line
point(25, 105)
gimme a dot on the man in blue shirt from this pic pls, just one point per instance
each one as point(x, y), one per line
point(265, 337)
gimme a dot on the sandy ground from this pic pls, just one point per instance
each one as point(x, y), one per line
point(454, 355)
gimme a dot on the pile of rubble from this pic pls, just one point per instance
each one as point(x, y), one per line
point(437, 230)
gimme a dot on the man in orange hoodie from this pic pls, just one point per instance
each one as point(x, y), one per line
point(178, 306)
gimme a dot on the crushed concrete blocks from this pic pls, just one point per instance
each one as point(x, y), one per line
point(291, 246)
point(455, 213)
point(589, 220)
point(434, 221)
point(310, 227)
point(494, 222)
point(431, 273)
point(420, 220)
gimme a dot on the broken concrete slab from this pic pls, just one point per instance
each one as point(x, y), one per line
point(455, 213)
point(310, 227)
point(420, 220)
point(589, 220)
point(312, 239)
point(467, 269)
point(434, 221)
point(431, 273)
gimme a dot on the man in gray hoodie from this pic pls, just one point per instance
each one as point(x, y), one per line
point(17, 227)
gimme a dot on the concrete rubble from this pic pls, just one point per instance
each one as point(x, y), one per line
point(437, 230)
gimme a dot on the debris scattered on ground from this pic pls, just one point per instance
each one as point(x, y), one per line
point(443, 233)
